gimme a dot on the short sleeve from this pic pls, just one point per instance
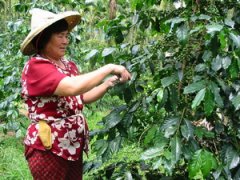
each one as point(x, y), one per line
point(42, 78)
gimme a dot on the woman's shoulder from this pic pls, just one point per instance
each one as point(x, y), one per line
point(38, 60)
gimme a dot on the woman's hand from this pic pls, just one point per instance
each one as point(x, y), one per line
point(120, 71)
point(112, 81)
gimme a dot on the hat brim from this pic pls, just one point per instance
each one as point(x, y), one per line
point(72, 18)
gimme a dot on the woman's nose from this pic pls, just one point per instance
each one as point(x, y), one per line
point(65, 40)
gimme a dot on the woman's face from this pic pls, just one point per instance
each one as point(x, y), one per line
point(57, 45)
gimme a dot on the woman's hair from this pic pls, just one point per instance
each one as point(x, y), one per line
point(42, 39)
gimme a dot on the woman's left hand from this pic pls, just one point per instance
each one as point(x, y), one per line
point(112, 81)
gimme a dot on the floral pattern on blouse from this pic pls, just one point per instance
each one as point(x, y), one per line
point(69, 128)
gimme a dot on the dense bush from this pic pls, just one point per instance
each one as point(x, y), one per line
point(181, 107)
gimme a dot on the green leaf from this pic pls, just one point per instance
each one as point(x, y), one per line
point(170, 122)
point(107, 51)
point(231, 157)
point(226, 61)
point(114, 117)
point(166, 81)
point(198, 99)
point(152, 153)
point(207, 55)
point(235, 39)
point(208, 102)
point(182, 33)
point(150, 135)
point(196, 86)
point(176, 148)
point(214, 28)
point(233, 69)
point(217, 63)
point(200, 67)
point(108, 59)
point(223, 40)
point(114, 145)
point(236, 102)
point(201, 163)
point(196, 29)
point(170, 131)
point(201, 132)
point(229, 22)
point(135, 49)
point(160, 95)
point(100, 146)
point(215, 90)
point(91, 54)
point(170, 126)
point(176, 20)
point(187, 129)
point(204, 17)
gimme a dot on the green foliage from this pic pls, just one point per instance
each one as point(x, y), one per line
point(13, 165)
point(181, 106)
point(201, 164)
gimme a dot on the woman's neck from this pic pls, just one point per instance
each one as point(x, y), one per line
point(54, 60)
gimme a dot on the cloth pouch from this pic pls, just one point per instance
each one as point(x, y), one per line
point(44, 133)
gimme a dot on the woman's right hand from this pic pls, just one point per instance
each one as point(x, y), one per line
point(120, 71)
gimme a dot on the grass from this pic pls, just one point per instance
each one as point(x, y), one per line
point(13, 165)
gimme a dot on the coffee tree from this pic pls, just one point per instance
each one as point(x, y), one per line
point(180, 111)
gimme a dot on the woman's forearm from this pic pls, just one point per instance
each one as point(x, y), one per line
point(72, 86)
point(95, 93)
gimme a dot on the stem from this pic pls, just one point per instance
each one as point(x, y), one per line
point(145, 130)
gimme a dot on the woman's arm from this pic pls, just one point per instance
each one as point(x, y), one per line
point(99, 91)
point(72, 86)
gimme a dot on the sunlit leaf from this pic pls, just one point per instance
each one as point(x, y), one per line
point(214, 28)
point(200, 67)
point(176, 148)
point(236, 102)
point(235, 39)
point(187, 129)
point(217, 63)
point(204, 17)
point(168, 80)
point(170, 126)
point(226, 61)
point(231, 157)
point(170, 131)
point(182, 33)
point(229, 22)
point(207, 55)
point(160, 95)
point(135, 49)
point(196, 86)
point(91, 54)
point(107, 51)
point(198, 99)
point(152, 153)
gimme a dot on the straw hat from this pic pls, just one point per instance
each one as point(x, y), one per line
point(41, 19)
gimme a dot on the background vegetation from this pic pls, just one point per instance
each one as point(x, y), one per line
point(179, 116)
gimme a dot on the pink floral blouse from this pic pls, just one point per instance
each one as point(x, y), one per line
point(69, 129)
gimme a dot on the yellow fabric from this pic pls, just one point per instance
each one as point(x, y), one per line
point(44, 133)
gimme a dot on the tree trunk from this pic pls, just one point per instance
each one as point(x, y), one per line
point(112, 9)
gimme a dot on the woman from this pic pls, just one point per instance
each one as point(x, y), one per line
point(54, 93)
